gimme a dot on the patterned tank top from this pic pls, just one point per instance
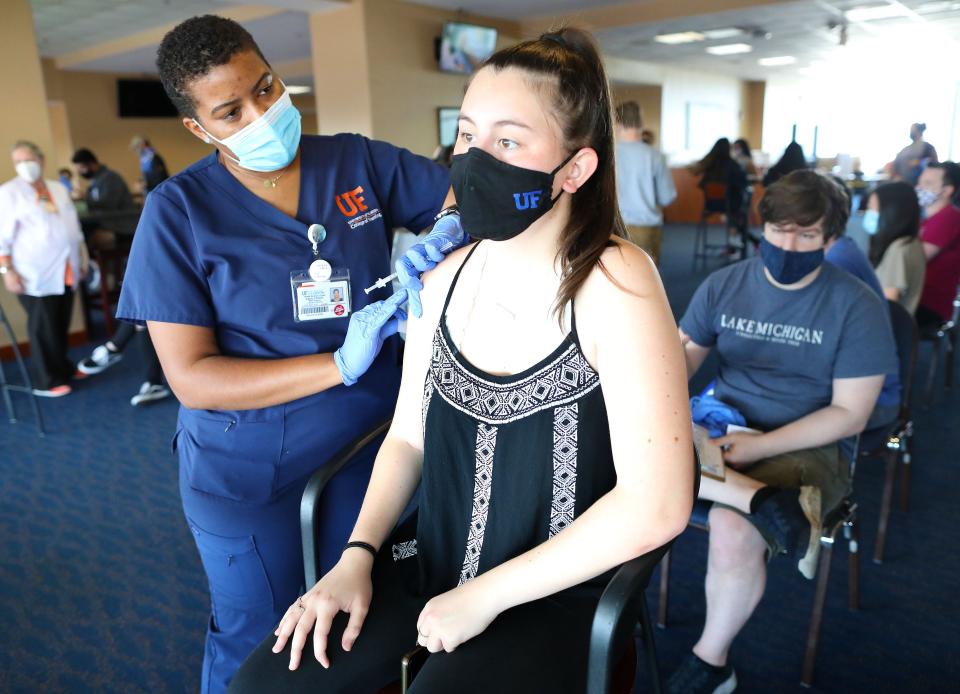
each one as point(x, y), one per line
point(509, 461)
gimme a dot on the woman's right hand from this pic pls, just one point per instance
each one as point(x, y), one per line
point(346, 588)
point(12, 281)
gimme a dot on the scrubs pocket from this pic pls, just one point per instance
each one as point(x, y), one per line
point(238, 580)
point(232, 459)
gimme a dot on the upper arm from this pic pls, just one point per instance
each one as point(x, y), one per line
point(408, 417)
point(8, 221)
point(857, 395)
point(643, 376)
point(179, 347)
point(694, 354)
point(411, 187)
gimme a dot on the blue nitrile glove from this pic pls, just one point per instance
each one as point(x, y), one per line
point(709, 412)
point(368, 328)
point(446, 236)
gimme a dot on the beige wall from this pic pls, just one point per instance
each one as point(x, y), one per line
point(649, 97)
point(24, 116)
point(90, 102)
point(752, 122)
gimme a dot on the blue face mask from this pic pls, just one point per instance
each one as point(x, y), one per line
point(789, 267)
point(871, 220)
point(270, 142)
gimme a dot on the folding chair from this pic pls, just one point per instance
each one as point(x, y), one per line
point(27, 386)
point(943, 339)
point(112, 261)
point(840, 520)
point(622, 606)
point(891, 443)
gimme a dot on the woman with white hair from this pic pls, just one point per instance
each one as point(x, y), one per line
point(40, 262)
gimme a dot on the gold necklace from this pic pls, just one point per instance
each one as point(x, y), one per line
point(272, 182)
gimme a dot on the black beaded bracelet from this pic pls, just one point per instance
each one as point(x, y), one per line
point(362, 545)
point(453, 209)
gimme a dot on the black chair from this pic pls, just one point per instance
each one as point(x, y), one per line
point(943, 339)
point(622, 606)
point(840, 520)
point(891, 443)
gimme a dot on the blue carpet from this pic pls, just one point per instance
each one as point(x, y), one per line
point(102, 590)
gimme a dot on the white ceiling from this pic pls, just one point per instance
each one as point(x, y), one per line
point(798, 29)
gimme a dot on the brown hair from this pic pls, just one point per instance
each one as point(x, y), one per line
point(628, 115)
point(571, 64)
point(805, 197)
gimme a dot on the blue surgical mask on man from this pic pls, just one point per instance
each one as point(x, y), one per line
point(270, 142)
point(789, 267)
point(871, 221)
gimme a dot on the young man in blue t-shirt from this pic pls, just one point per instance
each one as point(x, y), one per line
point(804, 348)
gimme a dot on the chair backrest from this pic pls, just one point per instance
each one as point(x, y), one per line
point(715, 191)
point(907, 337)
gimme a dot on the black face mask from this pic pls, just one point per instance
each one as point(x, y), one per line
point(498, 201)
point(87, 173)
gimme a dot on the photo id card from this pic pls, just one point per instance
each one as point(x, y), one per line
point(314, 300)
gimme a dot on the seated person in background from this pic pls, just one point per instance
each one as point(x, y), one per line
point(804, 348)
point(843, 252)
point(534, 480)
point(644, 182)
point(892, 221)
point(106, 192)
point(793, 159)
point(743, 155)
point(719, 167)
point(938, 192)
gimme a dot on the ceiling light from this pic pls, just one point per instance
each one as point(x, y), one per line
point(680, 37)
point(776, 61)
point(298, 89)
point(866, 14)
point(720, 34)
point(730, 49)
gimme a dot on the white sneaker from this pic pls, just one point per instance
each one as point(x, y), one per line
point(150, 392)
point(101, 359)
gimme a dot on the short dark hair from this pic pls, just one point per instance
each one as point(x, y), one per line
point(804, 197)
point(194, 47)
point(84, 156)
point(628, 114)
point(951, 176)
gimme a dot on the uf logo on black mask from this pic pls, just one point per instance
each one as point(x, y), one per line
point(526, 201)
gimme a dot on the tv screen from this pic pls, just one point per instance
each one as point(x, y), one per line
point(464, 46)
point(143, 99)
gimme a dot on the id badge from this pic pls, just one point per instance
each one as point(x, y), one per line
point(319, 300)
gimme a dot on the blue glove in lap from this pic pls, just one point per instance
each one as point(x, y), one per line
point(709, 412)
point(446, 236)
point(367, 330)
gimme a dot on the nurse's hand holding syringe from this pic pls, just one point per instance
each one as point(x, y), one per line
point(446, 236)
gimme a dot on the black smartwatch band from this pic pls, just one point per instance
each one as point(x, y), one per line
point(453, 209)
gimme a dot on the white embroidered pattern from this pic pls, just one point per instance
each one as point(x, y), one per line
point(564, 467)
point(404, 550)
point(482, 482)
point(427, 394)
point(565, 379)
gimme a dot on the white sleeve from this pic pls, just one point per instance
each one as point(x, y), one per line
point(8, 220)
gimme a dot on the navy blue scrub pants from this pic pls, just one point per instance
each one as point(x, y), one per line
point(252, 557)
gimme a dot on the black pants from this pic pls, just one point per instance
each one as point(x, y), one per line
point(153, 373)
point(540, 646)
point(48, 322)
point(927, 319)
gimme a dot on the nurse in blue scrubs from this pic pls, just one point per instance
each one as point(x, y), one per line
point(234, 276)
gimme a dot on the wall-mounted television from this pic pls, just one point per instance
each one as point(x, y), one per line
point(143, 99)
point(464, 46)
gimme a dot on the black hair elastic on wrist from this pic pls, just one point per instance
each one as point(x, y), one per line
point(362, 545)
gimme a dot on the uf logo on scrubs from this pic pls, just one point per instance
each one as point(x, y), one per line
point(351, 202)
point(526, 201)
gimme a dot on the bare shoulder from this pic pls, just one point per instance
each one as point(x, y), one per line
point(437, 282)
point(625, 276)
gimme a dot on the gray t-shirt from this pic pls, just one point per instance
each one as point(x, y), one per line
point(781, 349)
point(644, 184)
point(903, 267)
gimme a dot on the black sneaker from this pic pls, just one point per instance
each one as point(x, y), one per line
point(101, 359)
point(792, 518)
point(695, 676)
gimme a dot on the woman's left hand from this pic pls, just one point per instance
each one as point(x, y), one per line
point(454, 617)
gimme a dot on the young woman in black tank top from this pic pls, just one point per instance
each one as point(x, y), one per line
point(542, 413)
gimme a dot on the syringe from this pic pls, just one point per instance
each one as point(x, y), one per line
point(384, 281)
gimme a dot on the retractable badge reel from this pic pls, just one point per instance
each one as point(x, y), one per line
point(321, 291)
